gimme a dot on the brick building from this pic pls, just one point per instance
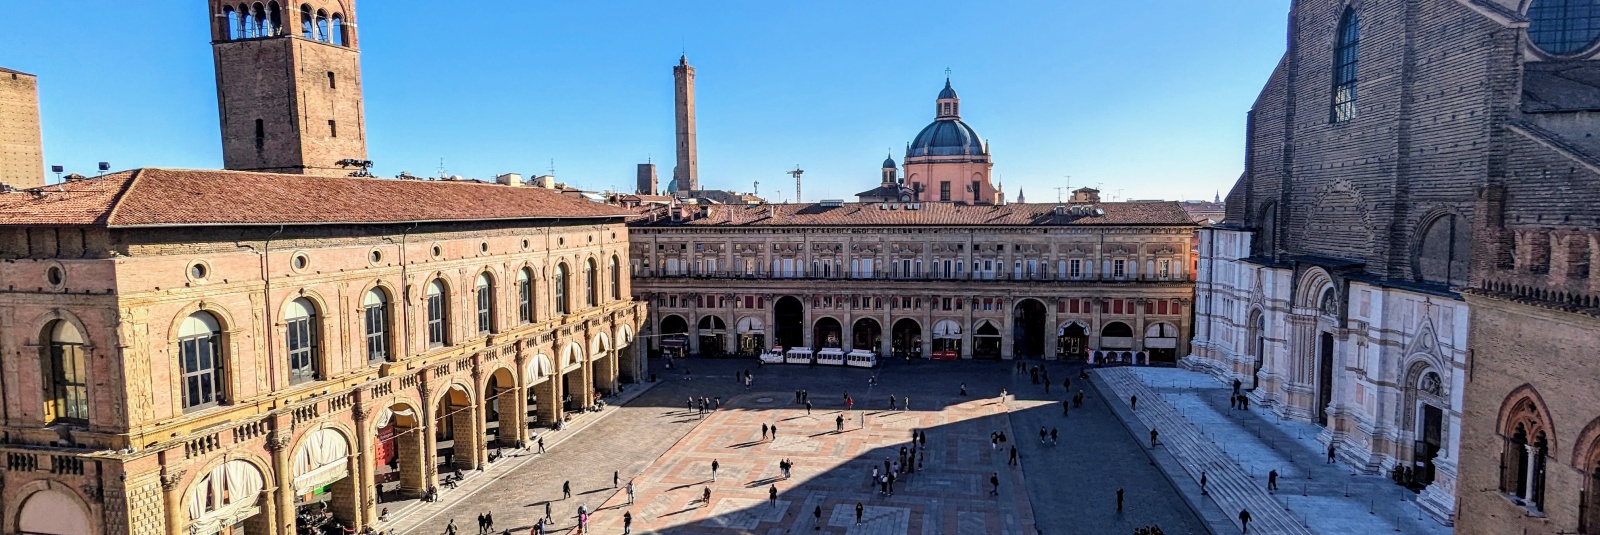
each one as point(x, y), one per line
point(202, 352)
point(1379, 168)
point(21, 149)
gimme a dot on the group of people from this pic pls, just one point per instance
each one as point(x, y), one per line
point(912, 457)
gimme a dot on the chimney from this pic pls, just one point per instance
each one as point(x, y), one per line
point(545, 181)
point(509, 179)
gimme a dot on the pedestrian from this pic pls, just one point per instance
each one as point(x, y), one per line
point(1119, 499)
point(1330, 453)
point(891, 402)
point(905, 403)
point(481, 524)
point(772, 494)
point(690, 407)
point(488, 521)
point(805, 395)
point(714, 466)
point(1203, 483)
point(994, 481)
point(1066, 385)
point(1043, 434)
point(1052, 436)
point(1244, 402)
point(1236, 385)
point(859, 510)
point(764, 429)
point(616, 478)
point(547, 512)
point(849, 403)
point(705, 495)
point(630, 492)
point(922, 438)
point(963, 389)
point(1047, 386)
point(838, 423)
point(874, 475)
point(774, 431)
point(808, 408)
point(716, 402)
point(1133, 403)
point(816, 518)
point(883, 484)
point(566, 489)
point(797, 397)
point(450, 529)
point(1013, 460)
point(1066, 405)
point(538, 527)
point(994, 441)
point(627, 522)
point(1233, 401)
point(1272, 481)
point(1153, 435)
point(1244, 520)
point(541, 444)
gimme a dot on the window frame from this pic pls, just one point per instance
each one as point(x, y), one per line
point(301, 346)
point(197, 378)
point(375, 327)
point(437, 314)
point(525, 295)
point(1565, 24)
point(559, 283)
point(1346, 68)
point(68, 393)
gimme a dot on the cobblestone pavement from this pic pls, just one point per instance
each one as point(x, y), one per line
point(667, 451)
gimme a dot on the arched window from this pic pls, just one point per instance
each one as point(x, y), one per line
point(437, 310)
point(1523, 459)
point(232, 17)
point(259, 12)
point(322, 26)
point(591, 284)
point(249, 24)
point(274, 19)
point(305, 22)
point(301, 339)
point(1563, 27)
point(1346, 53)
point(1442, 252)
point(616, 278)
point(66, 383)
point(200, 353)
point(525, 295)
point(375, 316)
point(338, 30)
point(485, 293)
point(560, 283)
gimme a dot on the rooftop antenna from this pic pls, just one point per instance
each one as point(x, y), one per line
point(796, 173)
point(441, 167)
point(758, 189)
point(1119, 194)
point(552, 167)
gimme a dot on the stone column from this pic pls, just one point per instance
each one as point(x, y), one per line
point(1097, 307)
point(1008, 333)
point(278, 445)
point(172, 490)
point(364, 463)
point(886, 341)
point(1138, 324)
point(730, 330)
point(1052, 335)
point(768, 311)
point(429, 441)
point(512, 406)
point(694, 324)
point(468, 439)
point(847, 330)
point(966, 328)
point(549, 394)
point(806, 328)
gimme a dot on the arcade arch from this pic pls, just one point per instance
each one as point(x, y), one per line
point(53, 512)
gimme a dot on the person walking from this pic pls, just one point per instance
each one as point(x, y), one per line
point(450, 529)
point(1203, 483)
point(630, 492)
point(1133, 403)
point(994, 481)
point(1330, 453)
point(774, 431)
point(1244, 520)
point(1066, 406)
point(566, 489)
point(705, 495)
point(1047, 386)
point(1153, 435)
point(816, 518)
point(1236, 385)
point(538, 527)
point(859, 510)
point(541, 444)
point(627, 523)
point(488, 521)
point(482, 526)
point(1052, 436)
point(772, 495)
point(1066, 385)
point(616, 478)
point(764, 429)
point(1272, 481)
point(1013, 460)
point(838, 423)
point(1119, 499)
point(905, 403)
point(714, 466)
point(994, 441)
point(1043, 434)
point(808, 408)
point(891, 402)
point(963, 389)
point(547, 512)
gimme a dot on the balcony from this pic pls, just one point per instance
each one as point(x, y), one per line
point(893, 276)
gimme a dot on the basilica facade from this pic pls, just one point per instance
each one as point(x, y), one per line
point(1404, 260)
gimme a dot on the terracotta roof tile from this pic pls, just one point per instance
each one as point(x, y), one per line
point(161, 197)
point(814, 214)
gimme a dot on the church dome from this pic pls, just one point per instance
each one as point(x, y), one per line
point(947, 137)
point(888, 163)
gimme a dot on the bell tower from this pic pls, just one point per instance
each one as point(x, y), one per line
point(288, 85)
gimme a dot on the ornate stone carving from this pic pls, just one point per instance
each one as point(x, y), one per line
point(171, 476)
point(278, 441)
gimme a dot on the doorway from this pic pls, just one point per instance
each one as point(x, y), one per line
point(1028, 325)
point(790, 316)
point(1324, 378)
point(1072, 343)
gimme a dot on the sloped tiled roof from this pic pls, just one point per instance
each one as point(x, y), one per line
point(934, 214)
point(171, 197)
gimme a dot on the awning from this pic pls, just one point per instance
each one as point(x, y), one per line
point(946, 329)
point(750, 325)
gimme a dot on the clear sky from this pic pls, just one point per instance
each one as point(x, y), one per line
point(1145, 98)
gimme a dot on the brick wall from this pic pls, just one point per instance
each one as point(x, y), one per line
point(21, 149)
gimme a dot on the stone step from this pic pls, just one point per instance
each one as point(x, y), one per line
point(1227, 484)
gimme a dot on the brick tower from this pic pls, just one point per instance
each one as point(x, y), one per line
point(21, 152)
point(686, 174)
point(288, 85)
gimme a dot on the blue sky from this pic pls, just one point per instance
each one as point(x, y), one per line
point(1146, 99)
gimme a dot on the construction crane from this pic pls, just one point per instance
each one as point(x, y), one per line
point(796, 173)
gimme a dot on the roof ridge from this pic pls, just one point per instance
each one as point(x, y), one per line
point(116, 201)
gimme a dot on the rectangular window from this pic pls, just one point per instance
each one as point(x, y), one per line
point(485, 301)
point(198, 355)
point(525, 301)
point(944, 191)
point(436, 321)
point(976, 191)
point(332, 84)
point(1164, 268)
point(1119, 268)
point(672, 301)
point(333, 128)
point(1161, 308)
point(377, 333)
point(1116, 306)
point(1076, 268)
point(70, 387)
